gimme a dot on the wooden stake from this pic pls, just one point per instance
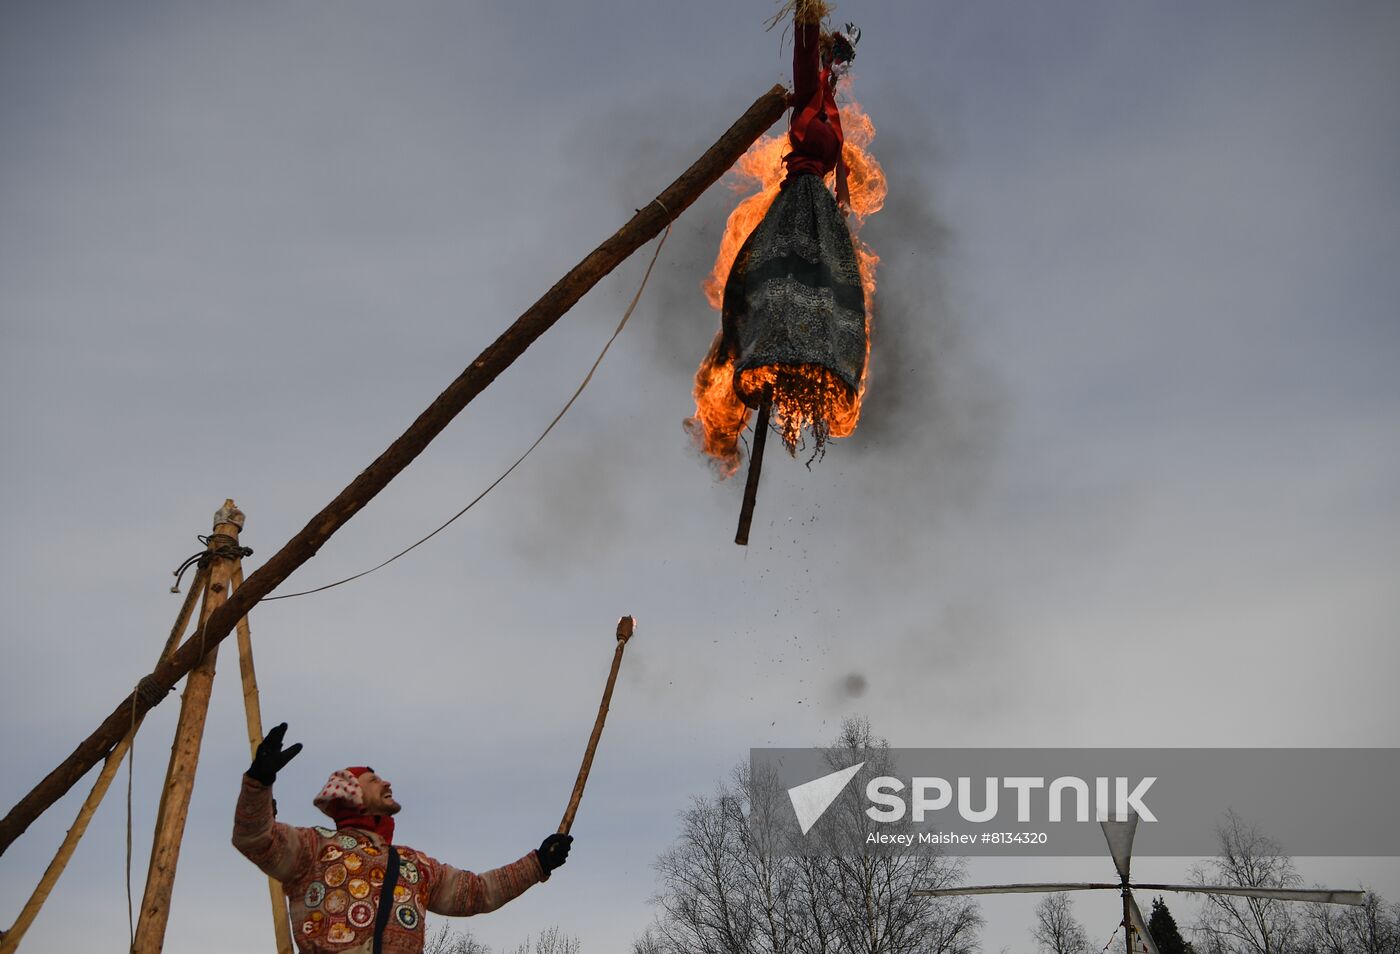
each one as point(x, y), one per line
point(252, 711)
point(9, 941)
point(624, 633)
point(184, 753)
point(760, 433)
point(538, 319)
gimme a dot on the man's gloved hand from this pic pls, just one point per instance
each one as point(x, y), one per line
point(271, 758)
point(554, 851)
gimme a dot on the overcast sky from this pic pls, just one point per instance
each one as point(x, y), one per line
point(1129, 472)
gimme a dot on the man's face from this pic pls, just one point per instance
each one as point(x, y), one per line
point(378, 795)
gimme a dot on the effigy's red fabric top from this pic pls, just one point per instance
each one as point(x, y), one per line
point(815, 132)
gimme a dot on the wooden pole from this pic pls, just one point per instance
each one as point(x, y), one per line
point(252, 711)
point(538, 319)
point(760, 433)
point(184, 753)
point(1127, 919)
point(9, 941)
point(625, 627)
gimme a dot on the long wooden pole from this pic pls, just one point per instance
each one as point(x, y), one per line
point(252, 711)
point(184, 753)
point(9, 941)
point(1127, 920)
point(625, 626)
point(760, 433)
point(538, 319)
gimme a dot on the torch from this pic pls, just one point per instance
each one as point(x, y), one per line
point(624, 633)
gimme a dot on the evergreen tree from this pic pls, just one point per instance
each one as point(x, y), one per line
point(1162, 926)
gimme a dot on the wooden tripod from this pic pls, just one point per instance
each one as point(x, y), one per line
point(219, 571)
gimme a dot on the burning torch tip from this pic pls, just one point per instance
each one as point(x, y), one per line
point(625, 626)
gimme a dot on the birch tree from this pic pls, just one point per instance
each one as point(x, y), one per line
point(1057, 930)
point(735, 882)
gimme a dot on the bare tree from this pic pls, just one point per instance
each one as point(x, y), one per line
point(551, 941)
point(705, 907)
point(1231, 925)
point(1372, 928)
point(739, 881)
point(443, 940)
point(867, 894)
point(648, 942)
point(1057, 930)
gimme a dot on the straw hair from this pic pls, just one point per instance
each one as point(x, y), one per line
point(803, 12)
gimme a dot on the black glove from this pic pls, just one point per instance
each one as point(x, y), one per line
point(270, 757)
point(554, 851)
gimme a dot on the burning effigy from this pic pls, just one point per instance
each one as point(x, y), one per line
point(792, 282)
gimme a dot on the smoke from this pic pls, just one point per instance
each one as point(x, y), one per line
point(632, 152)
point(682, 324)
point(933, 407)
point(573, 500)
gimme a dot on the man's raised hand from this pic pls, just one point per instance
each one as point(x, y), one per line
point(271, 758)
point(554, 851)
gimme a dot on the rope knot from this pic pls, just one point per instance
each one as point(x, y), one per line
point(215, 545)
point(150, 691)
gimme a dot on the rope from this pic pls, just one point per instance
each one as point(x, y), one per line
point(222, 545)
point(215, 545)
point(150, 691)
point(557, 418)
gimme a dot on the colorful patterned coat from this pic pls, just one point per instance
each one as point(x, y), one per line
point(333, 880)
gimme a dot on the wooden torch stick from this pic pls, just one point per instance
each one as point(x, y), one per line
point(624, 633)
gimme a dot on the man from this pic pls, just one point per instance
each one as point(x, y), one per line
point(351, 889)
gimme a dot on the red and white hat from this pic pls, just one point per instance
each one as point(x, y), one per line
point(341, 794)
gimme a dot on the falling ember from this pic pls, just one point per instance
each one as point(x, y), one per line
point(806, 397)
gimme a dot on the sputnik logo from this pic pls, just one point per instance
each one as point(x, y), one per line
point(811, 799)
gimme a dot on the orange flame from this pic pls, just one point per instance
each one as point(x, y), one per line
point(720, 416)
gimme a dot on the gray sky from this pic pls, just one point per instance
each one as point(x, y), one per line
point(1132, 410)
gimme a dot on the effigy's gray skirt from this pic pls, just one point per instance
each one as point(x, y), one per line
point(794, 295)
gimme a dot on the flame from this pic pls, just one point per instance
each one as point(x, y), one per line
point(806, 397)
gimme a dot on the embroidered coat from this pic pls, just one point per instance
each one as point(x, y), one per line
point(334, 879)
